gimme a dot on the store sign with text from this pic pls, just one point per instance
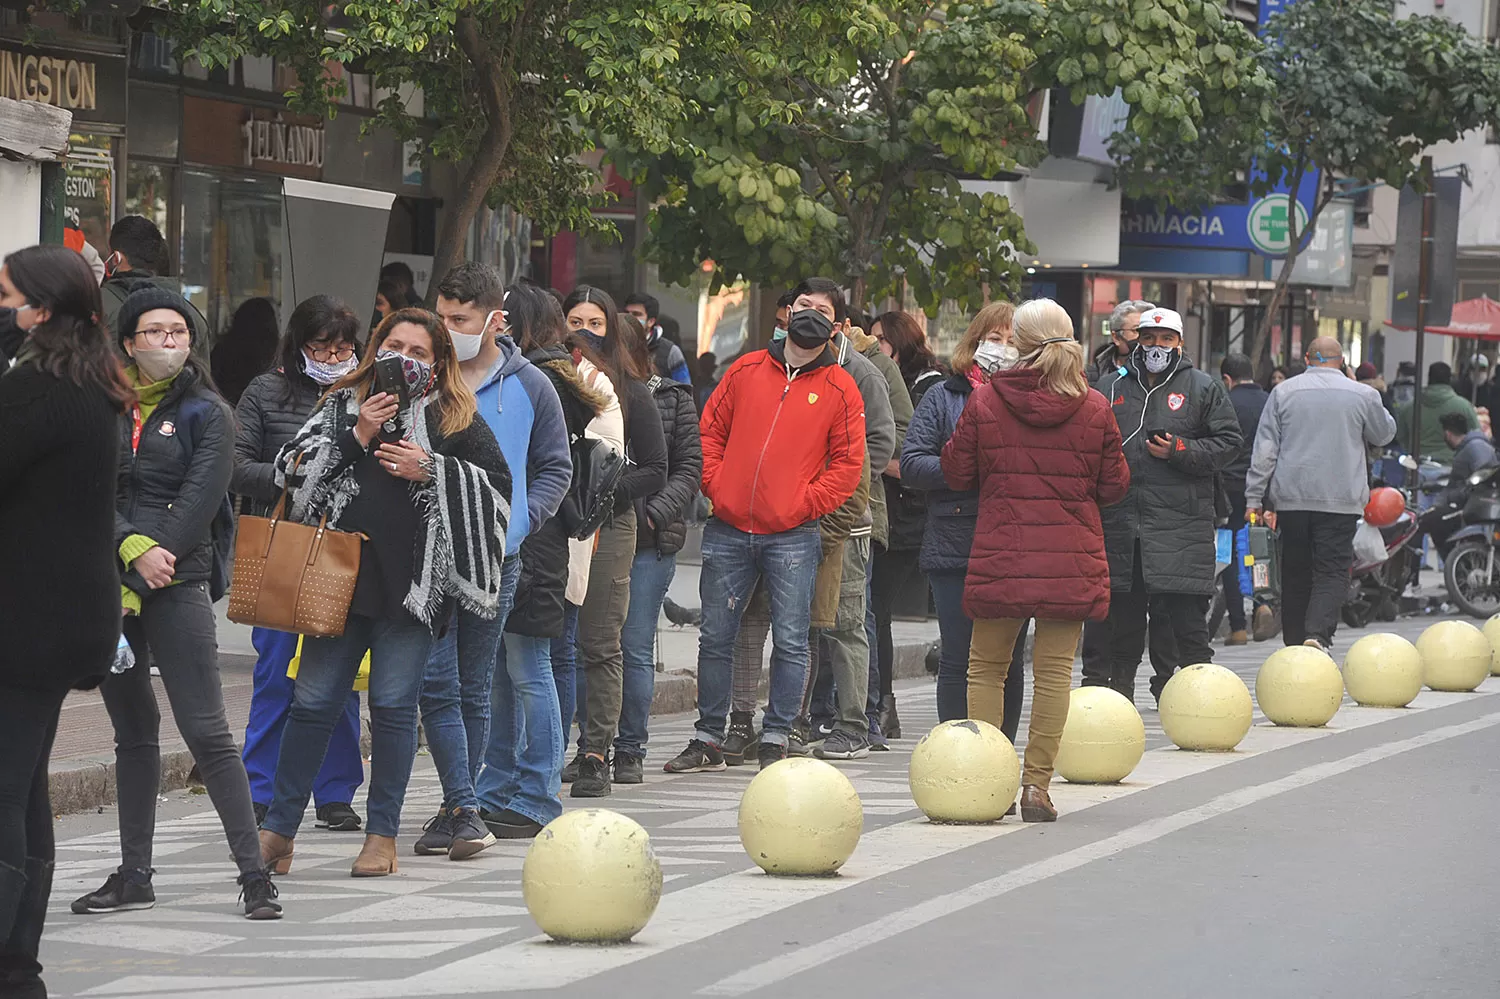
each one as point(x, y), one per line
point(89, 84)
point(274, 143)
point(1262, 224)
point(264, 140)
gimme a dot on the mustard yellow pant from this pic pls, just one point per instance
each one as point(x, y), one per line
point(1052, 654)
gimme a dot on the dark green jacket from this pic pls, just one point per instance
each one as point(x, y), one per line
point(1435, 400)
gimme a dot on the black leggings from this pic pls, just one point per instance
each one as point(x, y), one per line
point(891, 572)
point(28, 724)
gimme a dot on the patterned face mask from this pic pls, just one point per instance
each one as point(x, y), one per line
point(418, 374)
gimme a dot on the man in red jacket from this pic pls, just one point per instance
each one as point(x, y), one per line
point(783, 445)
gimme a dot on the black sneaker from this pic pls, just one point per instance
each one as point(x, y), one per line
point(593, 779)
point(506, 824)
point(118, 894)
point(769, 753)
point(820, 730)
point(740, 741)
point(259, 896)
point(470, 835)
point(843, 746)
point(699, 757)
point(437, 835)
point(570, 772)
point(260, 813)
point(629, 769)
point(338, 817)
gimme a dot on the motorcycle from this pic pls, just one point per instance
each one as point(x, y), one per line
point(1376, 584)
point(1469, 564)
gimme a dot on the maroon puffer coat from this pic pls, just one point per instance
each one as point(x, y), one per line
point(1043, 464)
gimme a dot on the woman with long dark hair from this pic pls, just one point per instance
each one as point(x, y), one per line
point(59, 405)
point(172, 524)
point(319, 348)
point(246, 349)
point(440, 486)
point(593, 327)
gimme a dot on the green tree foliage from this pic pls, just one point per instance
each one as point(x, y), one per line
point(509, 86)
point(835, 136)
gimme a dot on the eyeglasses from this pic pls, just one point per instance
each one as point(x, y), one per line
point(157, 336)
point(331, 352)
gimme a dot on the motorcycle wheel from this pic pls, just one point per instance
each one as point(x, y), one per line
point(1471, 582)
point(1356, 613)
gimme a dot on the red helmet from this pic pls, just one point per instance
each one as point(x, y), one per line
point(1385, 507)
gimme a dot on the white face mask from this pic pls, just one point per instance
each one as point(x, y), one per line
point(327, 372)
point(992, 356)
point(158, 364)
point(466, 346)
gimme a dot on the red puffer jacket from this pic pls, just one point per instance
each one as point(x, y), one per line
point(1043, 464)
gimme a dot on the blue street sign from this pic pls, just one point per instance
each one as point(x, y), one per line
point(1262, 225)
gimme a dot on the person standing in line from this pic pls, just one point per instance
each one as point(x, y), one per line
point(664, 358)
point(439, 488)
point(1180, 431)
point(171, 515)
point(522, 410)
point(522, 774)
point(661, 531)
point(318, 349)
point(951, 514)
point(895, 569)
point(593, 327)
point(1309, 467)
point(60, 405)
point(1044, 452)
point(246, 350)
point(138, 259)
point(783, 445)
point(1436, 399)
point(1248, 399)
point(1124, 320)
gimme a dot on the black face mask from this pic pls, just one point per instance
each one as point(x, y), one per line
point(11, 334)
point(809, 329)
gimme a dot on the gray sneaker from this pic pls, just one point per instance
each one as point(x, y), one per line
point(843, 746)
point(470, 834)
point(437, 835)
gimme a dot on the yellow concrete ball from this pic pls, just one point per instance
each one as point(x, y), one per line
point(1206, 707)
point(1492, 632)
point(1299, 686)
point(964, 771)
point(1383, 671)
point(800, 816)
point(1103, 739)
point(1455, 656)
point(591, 876)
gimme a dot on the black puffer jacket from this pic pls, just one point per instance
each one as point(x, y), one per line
point(173, 486)
point(538, 609)
point(271, 411)
point(906, 506)
point(948, 535)
point(1170, 508)
point(665, 508)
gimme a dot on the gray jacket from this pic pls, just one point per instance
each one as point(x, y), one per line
point(880, 423)
point(1310, 446)
point(1473, 453)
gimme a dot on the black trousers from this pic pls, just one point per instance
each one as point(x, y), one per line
point(28, 721)
point(891, 572)
point(1177, 624)
point(1234, 600)
point(1316, 552)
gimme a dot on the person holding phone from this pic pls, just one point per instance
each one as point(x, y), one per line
point(421, 478)
point(1180, 430)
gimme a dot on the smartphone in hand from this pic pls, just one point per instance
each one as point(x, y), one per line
point(390, 378)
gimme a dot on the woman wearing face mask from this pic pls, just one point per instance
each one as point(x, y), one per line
point(592, 318)
point(1043, 449)
point(177, 455)
point(318, 349)
point(949, 534)
point(435, 485)
point(60, 609)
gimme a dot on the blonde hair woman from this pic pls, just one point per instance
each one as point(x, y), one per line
point(1043, 450)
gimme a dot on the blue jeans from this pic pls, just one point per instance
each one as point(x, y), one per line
point(456, 692)
point(565, 669)
point(343, 767)
point(650, 575)
point(524, 759)
point(954, 631)
point(732, 563)
point(398, 654)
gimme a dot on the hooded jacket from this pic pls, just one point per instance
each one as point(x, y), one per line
point(1170, 509)
point(1435, 400)
point(665, 507)
point(522, 408)
point(782, 445)
point(1043, 464)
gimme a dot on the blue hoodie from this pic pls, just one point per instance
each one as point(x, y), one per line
point(519, 403)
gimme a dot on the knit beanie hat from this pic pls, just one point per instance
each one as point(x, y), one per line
point(142, 301)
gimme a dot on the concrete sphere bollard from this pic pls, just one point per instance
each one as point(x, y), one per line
point(1492, 632)
point(1383, 671)
point(1103, 739)
point(964, 771)
point(591, 876)
point(1299, 686)
point(800, 817)
point(1206, 707)
point(1455, 656)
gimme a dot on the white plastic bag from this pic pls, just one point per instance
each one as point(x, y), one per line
point(1369, 546)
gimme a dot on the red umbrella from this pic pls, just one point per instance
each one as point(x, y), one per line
point(1478, 318)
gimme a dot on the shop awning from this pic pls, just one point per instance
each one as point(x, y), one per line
point(1477, 318)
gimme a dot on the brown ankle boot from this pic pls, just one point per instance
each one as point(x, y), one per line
point(275, 852)
point(1036, 806)
point(376, 859)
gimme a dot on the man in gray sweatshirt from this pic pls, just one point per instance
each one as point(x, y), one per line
point(1308, 467)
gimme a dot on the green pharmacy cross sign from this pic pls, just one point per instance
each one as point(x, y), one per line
point(1269, 224)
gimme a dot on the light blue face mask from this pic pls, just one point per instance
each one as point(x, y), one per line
point(778, 334)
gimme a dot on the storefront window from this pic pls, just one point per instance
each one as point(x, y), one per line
point(88, 188)
point(148, 192)
point(231, 242)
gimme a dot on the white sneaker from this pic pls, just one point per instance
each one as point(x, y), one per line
point(1313, 643)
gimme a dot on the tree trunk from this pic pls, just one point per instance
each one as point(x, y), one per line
point(1288, 265)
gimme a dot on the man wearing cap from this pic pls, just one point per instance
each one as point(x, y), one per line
point(1179, 429)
